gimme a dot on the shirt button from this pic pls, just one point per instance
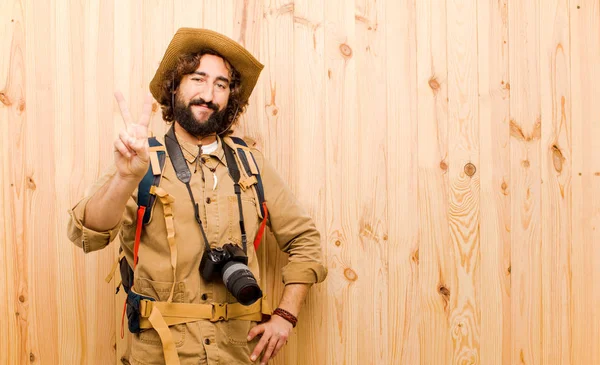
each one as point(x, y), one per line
point(204, 296)
point(207, 341)
point(208, 200)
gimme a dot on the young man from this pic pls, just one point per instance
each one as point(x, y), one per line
point(194, 300)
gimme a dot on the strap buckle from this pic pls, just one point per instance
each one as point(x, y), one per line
point(145, 308)
point(245, 184)
point(219, 312)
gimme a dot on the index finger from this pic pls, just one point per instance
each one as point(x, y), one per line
point(125, 114)
point(146, 111)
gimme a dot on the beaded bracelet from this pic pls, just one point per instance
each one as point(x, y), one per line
point(286, 315)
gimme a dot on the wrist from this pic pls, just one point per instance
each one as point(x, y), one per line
point(286, 315)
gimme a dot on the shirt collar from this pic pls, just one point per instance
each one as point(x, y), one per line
point(190, 151)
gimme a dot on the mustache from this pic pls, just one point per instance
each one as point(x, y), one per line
point(201, 102)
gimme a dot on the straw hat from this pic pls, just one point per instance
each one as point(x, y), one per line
point(192, 40)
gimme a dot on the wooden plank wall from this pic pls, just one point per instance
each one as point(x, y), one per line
point(448, 151)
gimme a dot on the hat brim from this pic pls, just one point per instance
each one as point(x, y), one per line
point(193, 40)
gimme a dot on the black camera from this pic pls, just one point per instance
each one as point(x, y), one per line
point(231, 263)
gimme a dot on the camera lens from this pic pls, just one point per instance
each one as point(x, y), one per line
point(241, 283)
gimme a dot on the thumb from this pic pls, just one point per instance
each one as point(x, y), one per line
point(256, 331)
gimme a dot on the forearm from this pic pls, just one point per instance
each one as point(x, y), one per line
point(293, 297)
point(105, 209)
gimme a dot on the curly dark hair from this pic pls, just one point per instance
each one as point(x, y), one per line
point(187, 64)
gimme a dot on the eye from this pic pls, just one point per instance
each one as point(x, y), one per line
point(197, 79)
point(222, 86)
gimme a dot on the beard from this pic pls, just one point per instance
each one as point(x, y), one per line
point(215, 124)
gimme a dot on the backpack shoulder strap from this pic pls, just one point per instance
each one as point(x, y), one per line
point(250, 166)
point(152, 177)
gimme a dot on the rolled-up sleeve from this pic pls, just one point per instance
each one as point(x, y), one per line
point(88, 239)
point(294, 230)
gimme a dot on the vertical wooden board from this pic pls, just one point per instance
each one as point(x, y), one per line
point(127, 71)
point(69, 116)
point(525, 130)
point(585, 253)
point(14, 309)
point(403, 314)
point(39, 223)
point(463, 161)
point(99, 73)
point(157, 32)
point(371, 198)
point(188, 14)
point(247, 31)
point(128, 58)
point(309, 161)
point(435, 256)
point(556, 174)
point(341, 134)
point(218, 16)
point(494, 174)
point(278, 54)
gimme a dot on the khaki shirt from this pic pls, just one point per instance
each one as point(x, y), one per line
point(203, 342)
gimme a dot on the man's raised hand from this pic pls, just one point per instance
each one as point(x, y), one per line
point(131, 147)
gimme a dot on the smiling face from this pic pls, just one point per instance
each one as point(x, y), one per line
point(202, 97)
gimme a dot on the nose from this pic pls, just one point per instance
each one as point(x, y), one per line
point(207, 93)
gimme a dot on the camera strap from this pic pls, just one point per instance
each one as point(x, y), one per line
point(184, 175)
point(234, 172)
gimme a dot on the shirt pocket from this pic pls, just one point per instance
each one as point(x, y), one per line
point(160, 291)
point(234, 333)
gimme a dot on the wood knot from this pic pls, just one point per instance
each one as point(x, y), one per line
point(31, 357)
point(385, 237)
point(504, 188)
point(470, 169)
point(444, 292)
point(4, 99)
point(443, 166)
point(154, 107)
point(22, 298)
point(275, 111)
point(509, 269)
point(346, 50)
point(557, 158)
point(525, 164)
point(434, 84)
point(338, 243)
point(30, 183)
point(415, 256)
point(350, 274)
point(21, 106)
point(329, 73)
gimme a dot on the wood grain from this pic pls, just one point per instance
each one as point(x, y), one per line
point(309, 129)
point(341, 153)
point(14, 282)
point(435, 255)
point(585, 84)
point(371, 239)
point(463, 178)
point(403, 246)
point(494, 177)
point(525, 161)
point(556, 161)
point(278, 55)
point(447, 151)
